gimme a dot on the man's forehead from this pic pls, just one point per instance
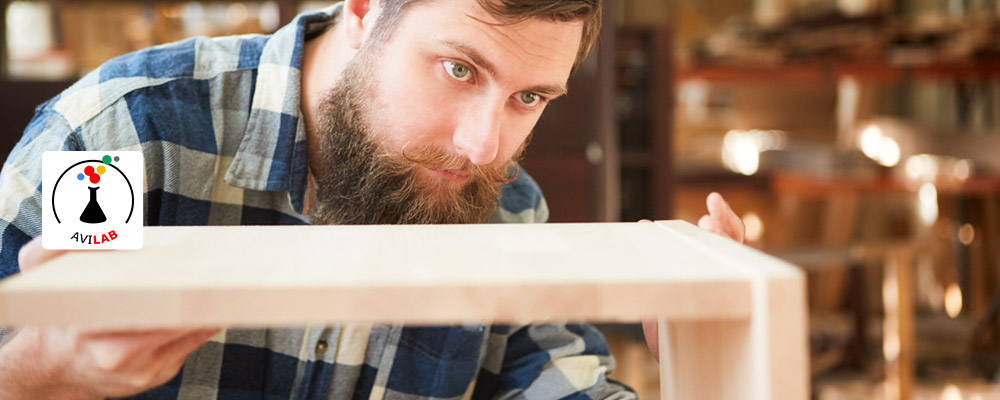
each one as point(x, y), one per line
point(534, 43)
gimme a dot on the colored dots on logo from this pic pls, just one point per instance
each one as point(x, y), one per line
point(95, 173)
point(94, 176)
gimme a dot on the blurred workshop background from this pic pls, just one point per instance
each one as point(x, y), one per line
point(858, 139)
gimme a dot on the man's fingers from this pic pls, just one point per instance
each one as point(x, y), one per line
point(707, 223)
point(130, 351)
point(174, 354)
point(186, 344)
point(143, 335)
point(143, 360)
point(651, 329)
point(33, 254)
point(729, 223)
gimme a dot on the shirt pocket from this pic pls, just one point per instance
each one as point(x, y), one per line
point(437, 362)
point(447, 343)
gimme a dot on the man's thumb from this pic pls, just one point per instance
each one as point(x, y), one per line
point(33, 254)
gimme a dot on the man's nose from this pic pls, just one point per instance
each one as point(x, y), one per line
point(477, 134)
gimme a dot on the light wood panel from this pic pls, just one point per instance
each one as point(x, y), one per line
point(765, 357)
point(735, 318)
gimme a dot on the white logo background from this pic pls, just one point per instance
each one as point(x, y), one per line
point(65, 197)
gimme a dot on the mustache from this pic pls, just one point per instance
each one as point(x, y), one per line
point(437, 159)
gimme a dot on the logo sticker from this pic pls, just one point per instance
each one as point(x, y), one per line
point(92, 200)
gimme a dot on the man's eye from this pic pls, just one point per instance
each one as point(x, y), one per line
point(458, 71)
point(528, 98)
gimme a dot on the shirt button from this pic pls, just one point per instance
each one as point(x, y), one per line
point(320, 347)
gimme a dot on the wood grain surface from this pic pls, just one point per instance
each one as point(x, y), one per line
point(278, 275)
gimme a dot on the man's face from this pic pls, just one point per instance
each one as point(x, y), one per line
point(422, 128)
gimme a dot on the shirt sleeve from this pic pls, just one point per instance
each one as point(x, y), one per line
point(21, 183)
point(558, 361)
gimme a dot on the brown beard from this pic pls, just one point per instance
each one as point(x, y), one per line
point(360, 182)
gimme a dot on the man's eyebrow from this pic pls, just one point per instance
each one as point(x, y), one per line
point(552, 91)
point(473, 55)
point(476, 57)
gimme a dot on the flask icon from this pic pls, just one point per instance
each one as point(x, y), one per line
point(93, 214)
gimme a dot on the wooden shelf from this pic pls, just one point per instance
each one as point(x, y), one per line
point(818, 71)
point(787, 73)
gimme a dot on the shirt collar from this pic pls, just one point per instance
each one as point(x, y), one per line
point(272, 155)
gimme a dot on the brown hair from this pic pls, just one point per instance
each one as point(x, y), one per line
point(513, 11)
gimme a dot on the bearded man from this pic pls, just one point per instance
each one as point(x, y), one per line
point(368, 112)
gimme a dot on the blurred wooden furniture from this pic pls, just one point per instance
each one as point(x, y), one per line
point(733, 320)
point(842, 255)
point(644, 106)
point(848, 246)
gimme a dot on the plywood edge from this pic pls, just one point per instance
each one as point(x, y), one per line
point(499, 303)
point(788, 338)
point(778, 351)
point(763, 264)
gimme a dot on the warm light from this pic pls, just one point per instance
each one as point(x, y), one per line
point(936, 297)
point(962, 169)
point(890, 294)
point(193, 10)
point(953, 300)
point(172, 12)
point(890, 392)
point(931, 168)
point(237, 14)
point(888, 152)
point(746, 156)
point(890, 303)
point(269, 16)
point(741, 149)
point(769, 140)
point(927, 206)
point(921, 167)
point(754, 226)
point(890, 347)
point(879, 147)
point(193, 18)
point(951, 392)
point(740, 153)
point(966, 234)
point(871, 141)
point(694, 96)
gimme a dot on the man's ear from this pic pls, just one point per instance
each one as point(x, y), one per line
point(359, 18)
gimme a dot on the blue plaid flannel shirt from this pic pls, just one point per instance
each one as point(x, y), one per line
point(219, 125)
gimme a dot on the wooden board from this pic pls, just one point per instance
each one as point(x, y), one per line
point(299, 274)
point(734, 318)
point(765, 357)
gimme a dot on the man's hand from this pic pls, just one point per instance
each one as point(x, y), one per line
point(720, 220)
point(65, 363)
